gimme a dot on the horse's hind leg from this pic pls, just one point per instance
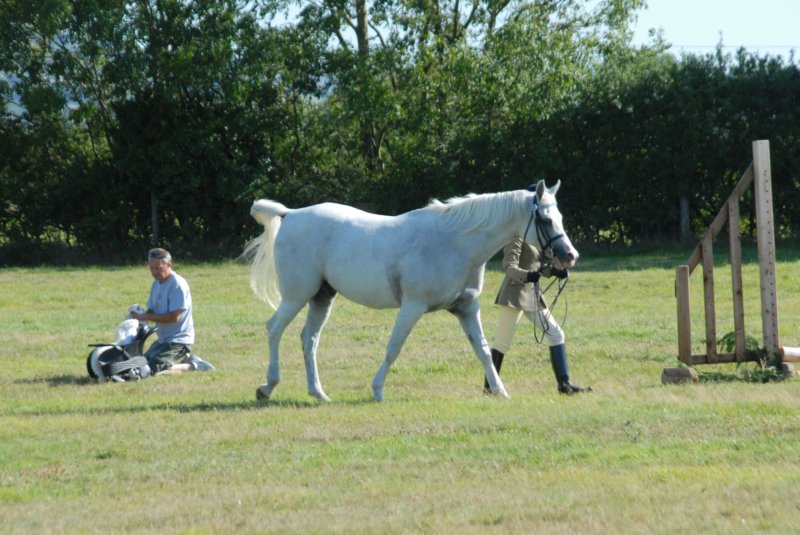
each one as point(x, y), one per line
point(275, 327)
point(319, 309)
point(406, 319)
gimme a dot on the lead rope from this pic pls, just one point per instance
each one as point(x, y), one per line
point(545, 313)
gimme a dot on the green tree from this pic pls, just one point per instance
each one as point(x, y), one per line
point(650, 131)
point(435, 84)
point(171, 109)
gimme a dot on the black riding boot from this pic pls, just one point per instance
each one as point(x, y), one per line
point(497, 360)
point(558, 358)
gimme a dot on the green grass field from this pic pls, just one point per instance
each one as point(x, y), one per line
point(196, 453)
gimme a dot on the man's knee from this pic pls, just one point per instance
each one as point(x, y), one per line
point(162, 357)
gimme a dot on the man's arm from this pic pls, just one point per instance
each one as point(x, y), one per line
point(166, 317)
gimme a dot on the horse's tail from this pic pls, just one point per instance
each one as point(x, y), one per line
point(263, 274)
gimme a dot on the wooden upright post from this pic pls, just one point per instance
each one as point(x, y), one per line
point(708, 298)
point(766, 248)
point(734, 242)
point(684, 315)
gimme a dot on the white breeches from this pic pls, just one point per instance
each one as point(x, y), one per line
point(508, 320)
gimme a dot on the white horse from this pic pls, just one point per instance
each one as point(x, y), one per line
point(428, 259)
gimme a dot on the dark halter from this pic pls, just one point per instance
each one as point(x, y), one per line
point(545, 242)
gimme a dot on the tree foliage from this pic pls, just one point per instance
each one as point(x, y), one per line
point(662, 130)
point(154, 118)
point(134, 122)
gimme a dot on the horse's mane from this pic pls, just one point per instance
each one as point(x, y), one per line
point(479, 210)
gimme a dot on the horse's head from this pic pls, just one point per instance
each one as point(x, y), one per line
point(546, 230)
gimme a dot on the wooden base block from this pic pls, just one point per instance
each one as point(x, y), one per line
point(788, 369)
point(675, 376)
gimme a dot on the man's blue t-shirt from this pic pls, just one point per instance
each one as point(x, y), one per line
point(171, 295)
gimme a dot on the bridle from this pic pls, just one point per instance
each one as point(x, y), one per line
point(546, 241)
point(544, 238)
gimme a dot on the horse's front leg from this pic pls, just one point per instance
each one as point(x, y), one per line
point(406, 319)
point(275, 327)
point(470, 318)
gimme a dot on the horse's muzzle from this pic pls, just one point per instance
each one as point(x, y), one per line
point(565, 259)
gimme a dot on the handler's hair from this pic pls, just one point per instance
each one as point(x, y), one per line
point(161, 254)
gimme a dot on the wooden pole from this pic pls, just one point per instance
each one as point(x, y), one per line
point(766, 248)
point(708, 297)
point(684, 315)
point(722, 217)
point(735, 245)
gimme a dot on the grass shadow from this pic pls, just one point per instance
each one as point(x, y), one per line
point(744, 376)
point(182, 408)
point(312, 403)
point(57, 380)
point(719, 377)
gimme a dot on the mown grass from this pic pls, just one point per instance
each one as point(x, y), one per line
point(196, 453)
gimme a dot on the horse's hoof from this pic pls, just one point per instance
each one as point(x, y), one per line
point(501, 392)
point(320, 396)
point(262, 392)
point(377, 395)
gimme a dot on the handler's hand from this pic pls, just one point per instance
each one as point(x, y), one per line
point(533, 276)
point(136, 312)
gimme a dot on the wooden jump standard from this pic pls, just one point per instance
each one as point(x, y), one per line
point(759, 172)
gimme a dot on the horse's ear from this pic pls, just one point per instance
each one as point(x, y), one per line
point(554, 189)
point(540, 187)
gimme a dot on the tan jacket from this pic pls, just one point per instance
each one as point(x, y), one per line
point(519, 258)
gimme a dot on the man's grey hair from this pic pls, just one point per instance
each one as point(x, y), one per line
point(161, 254)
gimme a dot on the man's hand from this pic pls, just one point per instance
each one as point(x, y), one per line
point(533, 276)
